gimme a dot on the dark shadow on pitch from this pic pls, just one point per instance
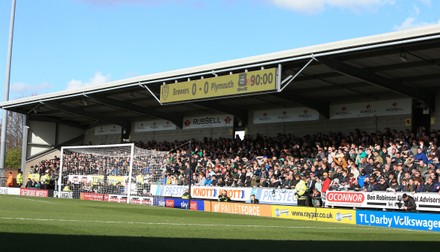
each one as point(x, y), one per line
point(48, 242)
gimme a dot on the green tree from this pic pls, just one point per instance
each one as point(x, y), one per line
point(13, 158)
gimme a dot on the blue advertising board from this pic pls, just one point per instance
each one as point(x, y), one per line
point(405, 220)
point(158, 201)
point(198, 205)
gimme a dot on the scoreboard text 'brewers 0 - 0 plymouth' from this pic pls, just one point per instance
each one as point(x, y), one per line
point(226, 85)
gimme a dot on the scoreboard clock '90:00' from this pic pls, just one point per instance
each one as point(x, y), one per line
point(226, 85)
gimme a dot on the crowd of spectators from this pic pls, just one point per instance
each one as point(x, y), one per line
point(388, 160)
point(381, 161)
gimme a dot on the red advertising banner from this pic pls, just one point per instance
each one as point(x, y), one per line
point(346, 198)
point(169, 203)
point(93, 196)
point(34, 192)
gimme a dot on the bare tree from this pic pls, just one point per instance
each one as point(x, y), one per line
point(14, 138)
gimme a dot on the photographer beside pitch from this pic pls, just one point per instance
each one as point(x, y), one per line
point(409, 203)
point(223, 197)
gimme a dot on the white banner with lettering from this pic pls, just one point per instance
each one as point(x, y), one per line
point(153, 125)
point(265, 195)
point(211, 121)
point(381, 200)
point(10, 190)
point(372, 108)
point(108, 130)
point(277, 196)
point(202, 192)
point(285, 115)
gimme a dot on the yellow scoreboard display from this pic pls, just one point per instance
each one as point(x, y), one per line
point(227, 85)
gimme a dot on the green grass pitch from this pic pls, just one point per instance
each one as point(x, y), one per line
point(49, 224)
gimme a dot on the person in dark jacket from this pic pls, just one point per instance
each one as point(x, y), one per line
point(254, 200)
point(409, 203)
point(382, 185)
point(223, 197)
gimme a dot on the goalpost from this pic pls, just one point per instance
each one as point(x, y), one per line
point(117, 172)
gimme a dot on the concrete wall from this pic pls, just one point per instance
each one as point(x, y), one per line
point(43, 136)
point(91, 138)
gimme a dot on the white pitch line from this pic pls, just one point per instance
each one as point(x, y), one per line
point(178, 224)
point(36, 200)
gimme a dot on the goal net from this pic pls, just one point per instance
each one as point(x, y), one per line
point(117, 173)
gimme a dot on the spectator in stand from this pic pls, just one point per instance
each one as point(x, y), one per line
point(420, 155)
point(377, 159)
point(382, 185)
point(214, 181)
point(421, 167)
point(403, 187)
point(334, 185)
point(398, 172)
point(288, 182)
point(201, 180)
point(325, 182)
point(274, 182)
point(361, 155)
point(411, 187)
point(272, 161)
point(316, 198)
point(36, 184)
point(354, 185)
point(419, 185)
point(370, 185)
point(394, 186)
point(29, 183)
point(362, 177)
point(429, 185)
point(369, 166)
point(437, 185)
point(344, 186)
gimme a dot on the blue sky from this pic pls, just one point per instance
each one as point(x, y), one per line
point(67, 44)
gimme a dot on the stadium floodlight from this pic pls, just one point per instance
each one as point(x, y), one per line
point(6, 95)
point(116, 172)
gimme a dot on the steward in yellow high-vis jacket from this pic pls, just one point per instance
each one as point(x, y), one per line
point(301, 191)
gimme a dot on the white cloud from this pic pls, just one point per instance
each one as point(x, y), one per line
point(416, 10)
point(97, 79)
point(314, 6)
point(24, 89)
point(411, 22)
point(406, 24)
